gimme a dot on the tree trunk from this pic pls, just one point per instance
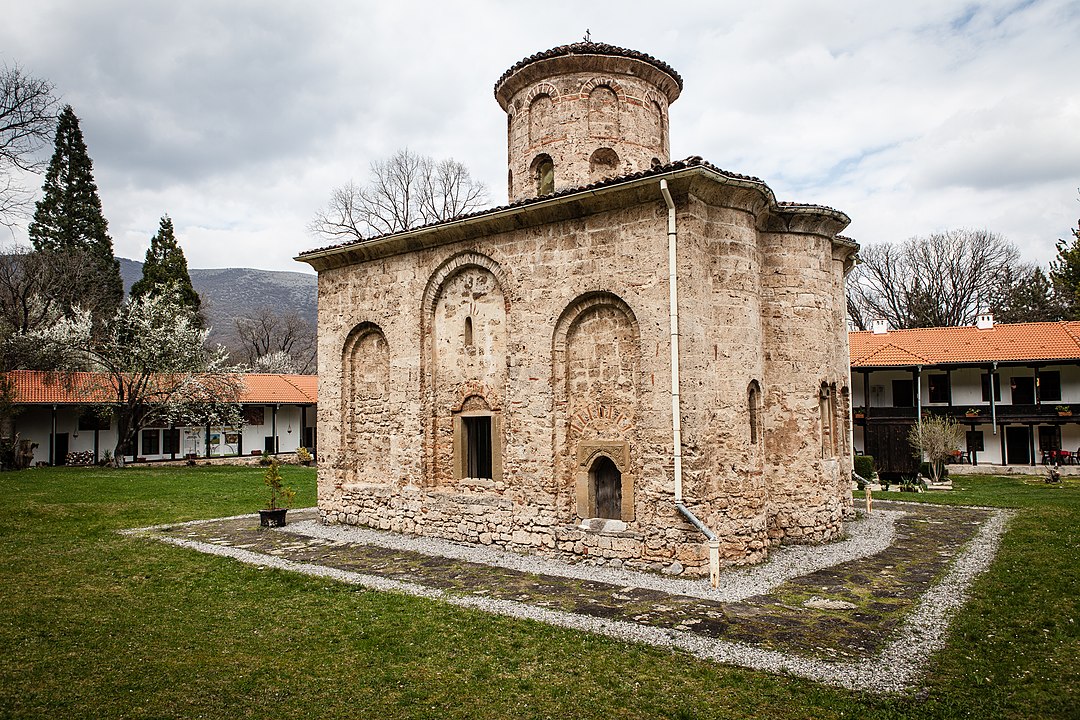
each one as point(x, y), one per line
point(124, 433)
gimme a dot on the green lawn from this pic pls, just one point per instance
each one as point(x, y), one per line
point(98, 625)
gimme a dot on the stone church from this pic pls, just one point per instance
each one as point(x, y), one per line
point(635, 362)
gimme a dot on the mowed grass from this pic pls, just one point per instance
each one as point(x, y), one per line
point(98, 625)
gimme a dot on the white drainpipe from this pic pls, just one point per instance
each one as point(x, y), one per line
point(676, 413)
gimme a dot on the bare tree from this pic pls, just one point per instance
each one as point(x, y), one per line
point(404, 191)
point(933, 281)
point(39, 287)
point(265, 333)
point(936, 438)
point(28, 110)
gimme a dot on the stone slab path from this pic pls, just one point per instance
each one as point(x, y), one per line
point(864, 616)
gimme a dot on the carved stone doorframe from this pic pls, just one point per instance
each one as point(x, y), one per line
point(618, 452)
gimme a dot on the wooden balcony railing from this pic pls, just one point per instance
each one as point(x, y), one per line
point(1043, 413)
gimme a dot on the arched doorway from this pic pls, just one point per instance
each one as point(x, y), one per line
point(607, 486)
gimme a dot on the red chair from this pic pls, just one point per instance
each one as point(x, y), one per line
point(1066, 457)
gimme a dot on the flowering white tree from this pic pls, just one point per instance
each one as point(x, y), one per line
point(279, 362)
point(154, 366)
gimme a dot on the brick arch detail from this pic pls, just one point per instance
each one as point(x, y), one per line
point(443, 273)
point(655, 97)
point(578, 307)
point(610, 83)
point(544, 88)
point(349, 431)
point(449, 267)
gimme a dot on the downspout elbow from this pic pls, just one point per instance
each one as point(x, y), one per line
point(695, 521)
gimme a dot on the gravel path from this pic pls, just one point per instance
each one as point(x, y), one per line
point(893, 668)
point(864, 537)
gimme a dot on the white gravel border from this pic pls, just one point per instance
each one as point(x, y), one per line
point(893, 669)
point(865, 537)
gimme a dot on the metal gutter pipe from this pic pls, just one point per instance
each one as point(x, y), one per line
point(676, 412)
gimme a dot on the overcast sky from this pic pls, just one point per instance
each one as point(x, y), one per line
point(239, 118)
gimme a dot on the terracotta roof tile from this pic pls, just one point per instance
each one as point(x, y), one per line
point(35, 387)
point(1009, 342)
point(267, 388)
point(590, 48)
point(692, 161)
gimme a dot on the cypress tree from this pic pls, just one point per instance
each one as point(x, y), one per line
point(1065, 275)
point(166, 265)
point(68, 218)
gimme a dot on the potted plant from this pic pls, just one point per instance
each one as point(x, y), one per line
point(1063, 410)
point(304, 456)
point(972, 412)
point(281, 497)
point(860, 413)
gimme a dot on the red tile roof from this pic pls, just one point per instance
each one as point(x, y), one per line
point(36, 387)
point(1015, 342)
point(294, 389)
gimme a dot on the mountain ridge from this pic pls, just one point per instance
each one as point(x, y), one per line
point(232, 293)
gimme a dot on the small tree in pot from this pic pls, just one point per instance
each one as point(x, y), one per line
point(281, 497)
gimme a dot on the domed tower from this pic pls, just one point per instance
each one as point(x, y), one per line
point(581, 113)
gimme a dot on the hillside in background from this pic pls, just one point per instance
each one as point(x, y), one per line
point(230, 293)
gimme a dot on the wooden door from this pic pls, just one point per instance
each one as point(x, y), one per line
point(608, 483)
point(891, 449)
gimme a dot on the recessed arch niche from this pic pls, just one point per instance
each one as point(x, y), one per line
point(596, 360)
point(465, 355)
point(366, 426)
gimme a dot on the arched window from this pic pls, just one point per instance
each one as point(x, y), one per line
point(544, 173)
point(604, 163)
point(753, 406)
point(468, 332)
point(823, 413)
point(842, 415)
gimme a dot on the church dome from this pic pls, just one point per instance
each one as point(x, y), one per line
point(582, 113)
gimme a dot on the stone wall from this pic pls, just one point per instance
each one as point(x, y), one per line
point(594, 120)
point(558, 331)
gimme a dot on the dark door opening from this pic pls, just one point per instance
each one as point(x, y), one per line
point(903, 393)
point(477, 446)
point(1023, 390)
point(607, 481)
point(60, 449)
point(1016, 446)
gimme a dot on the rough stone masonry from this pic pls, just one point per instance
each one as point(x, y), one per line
point(505, 378)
